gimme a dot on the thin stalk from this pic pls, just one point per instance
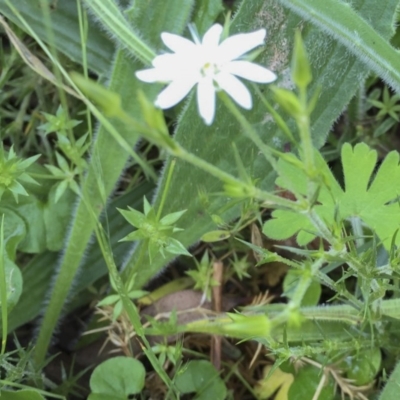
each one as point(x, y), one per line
point(165, 192)
point(248, 129)
point(140, 259)
point(83, 31)
point(278, 119)
point(303, 124)
point(278, 201)
point(3, 288)
point(44, 6)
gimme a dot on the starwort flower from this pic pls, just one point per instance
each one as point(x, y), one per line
point(210, 65)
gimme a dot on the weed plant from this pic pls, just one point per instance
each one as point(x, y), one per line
point(241, 243)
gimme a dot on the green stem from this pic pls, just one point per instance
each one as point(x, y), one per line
point(165, 192)
point(303, 124)
point(3, 288)
point(83, 31)
point(248, 129)
point(277, 118)
point(324, 231)
point(252, 191)
point(132, 272)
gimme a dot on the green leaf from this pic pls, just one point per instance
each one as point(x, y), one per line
point(391, 390)
point(14, 230)
point(204, 12)
point(59, 190)
point(170, 219)
point(57, 217)
point(134, 217)
point(118, 376)
point(341, 20)
point(301, 71)
point(112, 18)
point(362, 368)
point(372, 199)
point(202, 378)
point(46, 222)
point(31, 210)
point(288, 101)
point(215, 236)
point(312, 295)
point(13, 283)
point(109, 101)
point(176, 247)
point(306, 383)
point(113, 298)
point(39, 272)
point(97, 396)
point(25, 394)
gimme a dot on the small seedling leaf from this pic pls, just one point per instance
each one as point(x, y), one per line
point(117, 378)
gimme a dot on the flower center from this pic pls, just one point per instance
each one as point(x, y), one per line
point(209, 69)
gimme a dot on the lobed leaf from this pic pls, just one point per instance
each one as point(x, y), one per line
point(373, 199)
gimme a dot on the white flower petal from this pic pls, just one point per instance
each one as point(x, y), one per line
point(235, 88)
point(174, 93)
point(176, 65)
point(237, 45)
point(207, 63)
point(250, 71)
point(177, 43)
point(149, 75)
point(166, 59)
point(206, 100)
point(212, 37)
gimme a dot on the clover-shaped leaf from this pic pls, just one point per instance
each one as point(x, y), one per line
point(372, 198)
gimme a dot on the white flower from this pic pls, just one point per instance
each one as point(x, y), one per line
point(211, 65)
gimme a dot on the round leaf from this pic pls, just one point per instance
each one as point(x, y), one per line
point(202, 378)
point(118, 377)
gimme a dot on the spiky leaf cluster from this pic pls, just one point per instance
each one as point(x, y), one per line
point(157, 231)
point(13, 173)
